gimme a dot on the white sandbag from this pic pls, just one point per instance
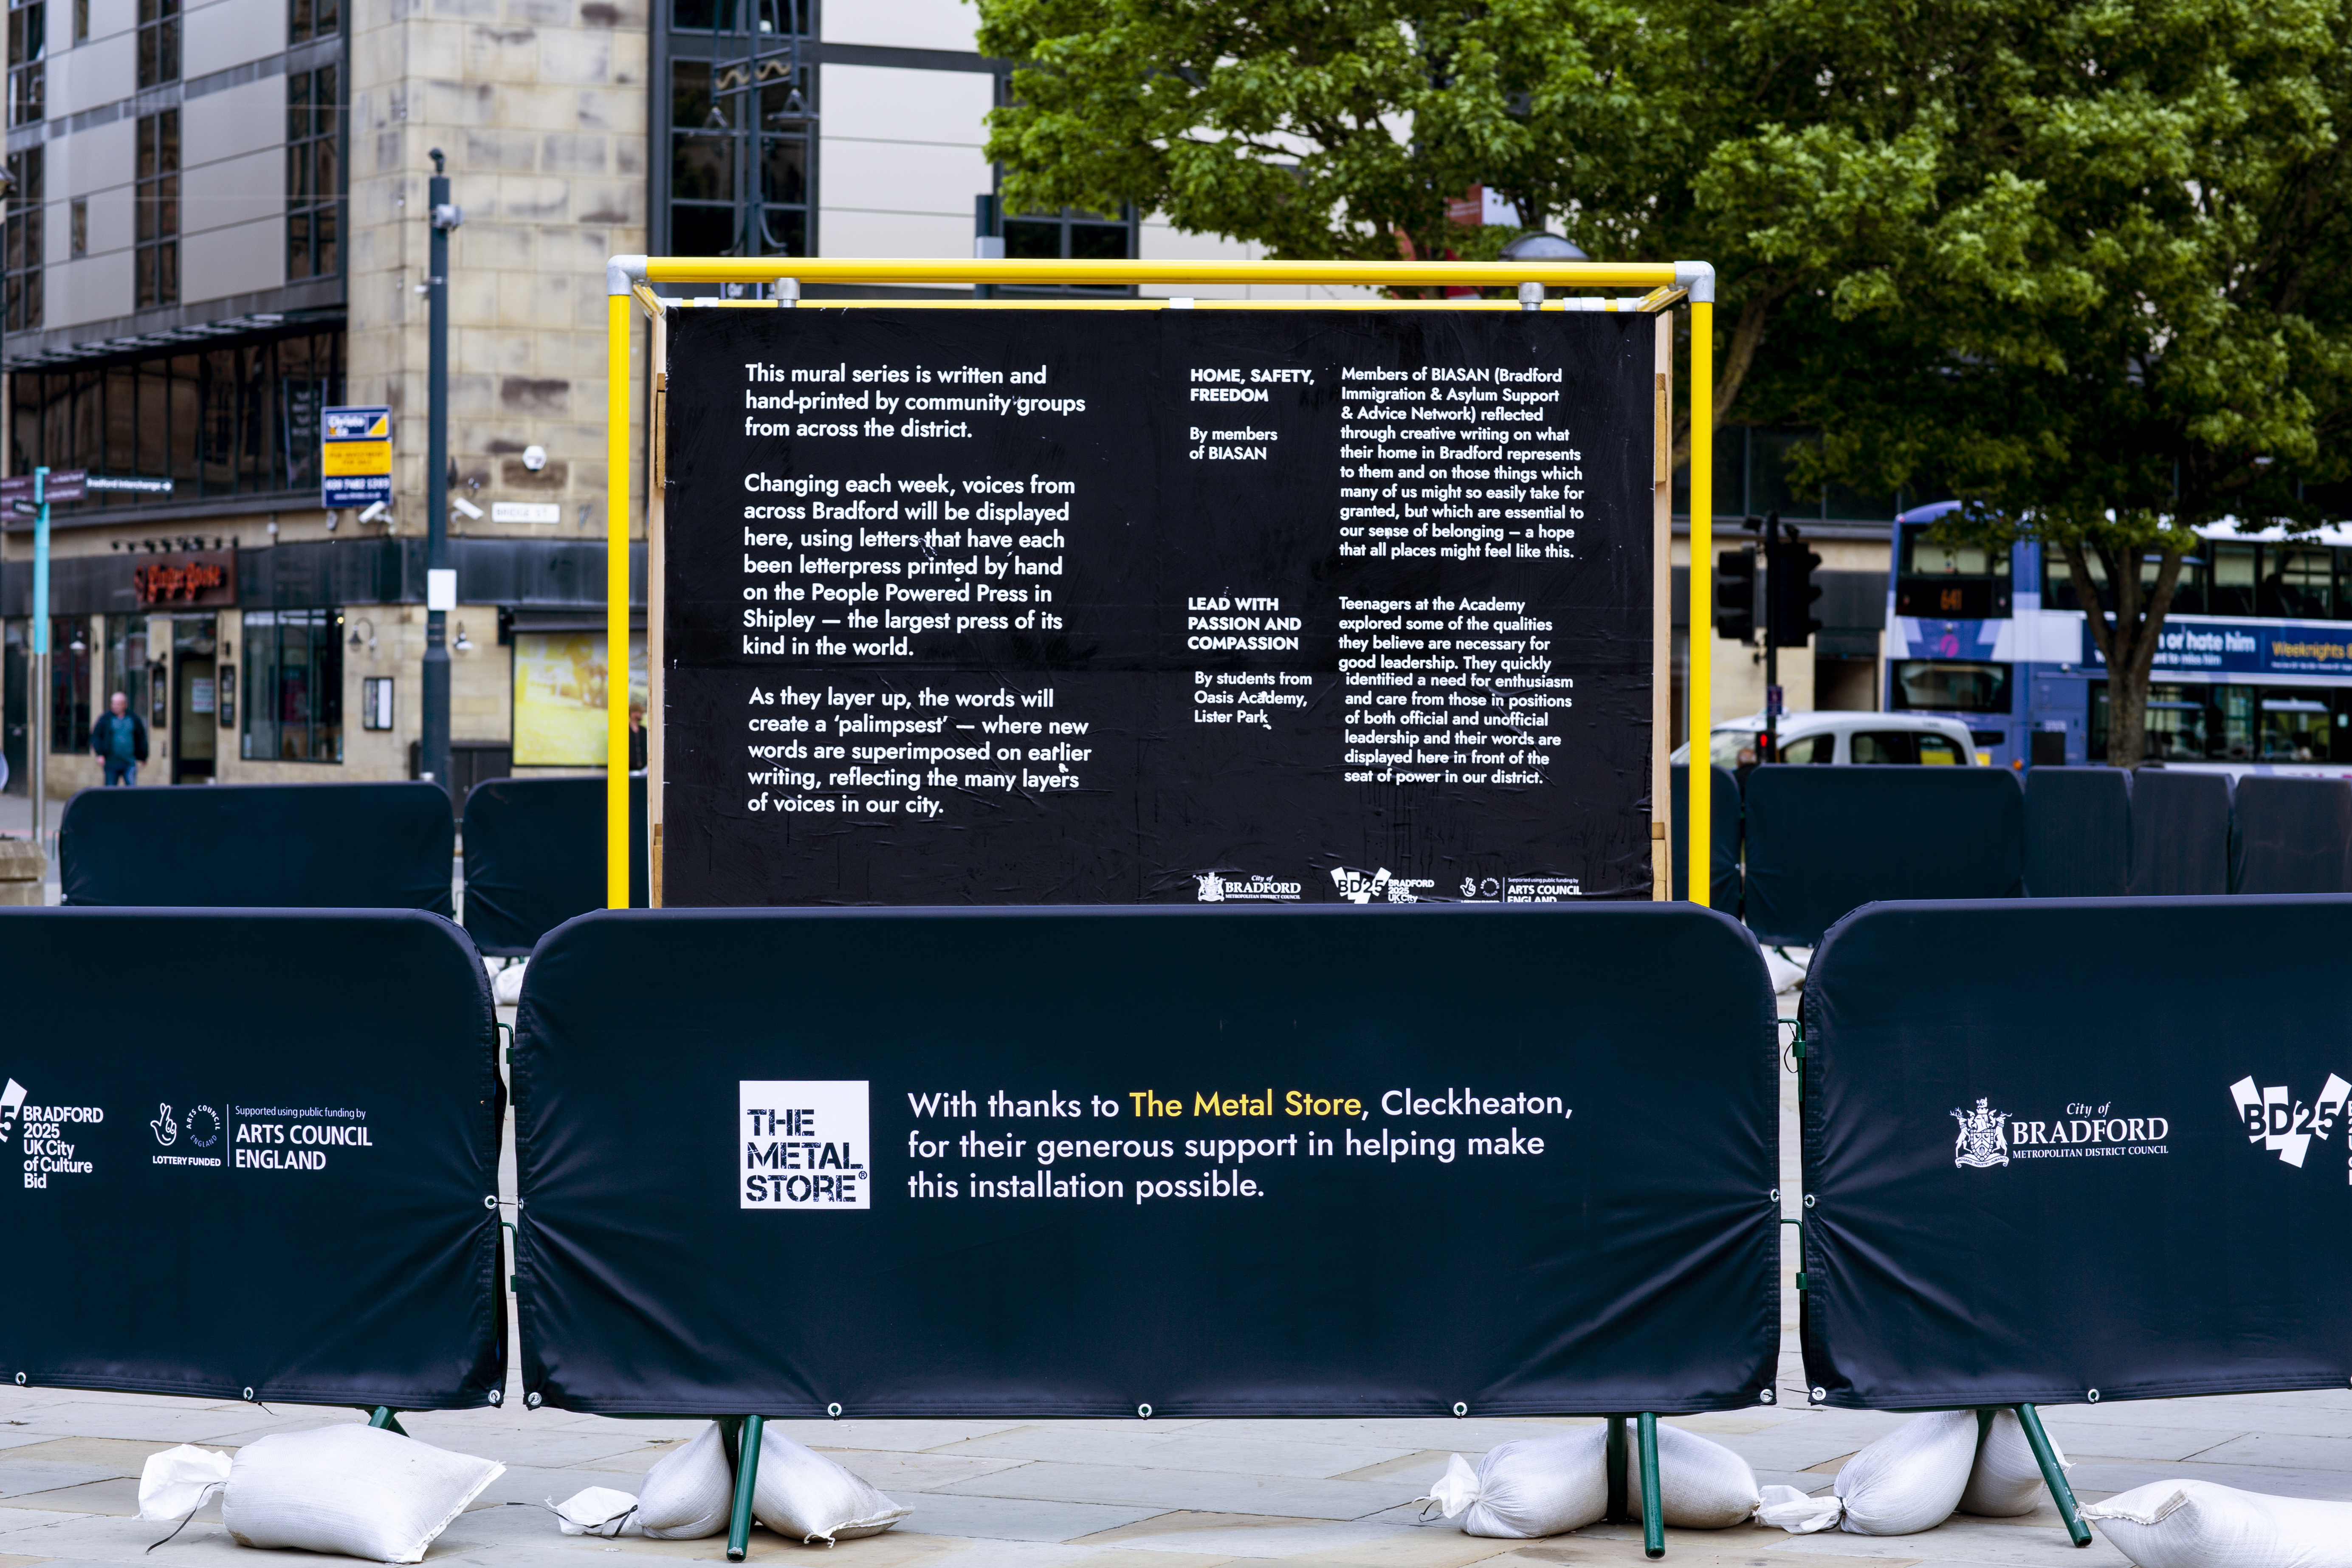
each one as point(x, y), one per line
point(802, 1496)
point(690, 1492)
point(177, 1482)
point(597, 1510)
point(2007, 1479)
point(357, 1490)
point(2200, 1524)
point(1702, 1485)
point(1908, 1481)
point(1529, 1486)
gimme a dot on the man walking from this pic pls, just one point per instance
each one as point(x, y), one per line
point(119, 740)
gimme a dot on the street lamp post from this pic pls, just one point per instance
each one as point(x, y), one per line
point(440, 578)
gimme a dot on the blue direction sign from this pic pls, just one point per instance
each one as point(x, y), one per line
point(355, 457)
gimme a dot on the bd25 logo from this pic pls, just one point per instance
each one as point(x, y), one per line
point(2284, 1125)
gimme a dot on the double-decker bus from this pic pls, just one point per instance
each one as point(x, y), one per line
point(2253, 673)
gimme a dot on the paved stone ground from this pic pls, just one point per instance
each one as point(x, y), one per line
point(1138, 1494)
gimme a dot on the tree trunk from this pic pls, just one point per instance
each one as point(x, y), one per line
point(2128, 641)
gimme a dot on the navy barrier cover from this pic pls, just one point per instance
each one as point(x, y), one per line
point(2181, 833)
point(2077, 833)
point(282, 1207)
point(2028, 1184)
point(327, 846)
point(535, 857)
point(1043, 1164)
point(2295, 836)
point(1723, 807)
point(1824, 841)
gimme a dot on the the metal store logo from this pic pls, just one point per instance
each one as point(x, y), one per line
point(2288, 1126)
point(804, 1144)
point(1988, 1137)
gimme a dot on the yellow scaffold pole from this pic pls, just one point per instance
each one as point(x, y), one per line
point(618, 306)
point(1701, 681)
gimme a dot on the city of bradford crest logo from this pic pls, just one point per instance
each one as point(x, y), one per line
point(1983, 1139)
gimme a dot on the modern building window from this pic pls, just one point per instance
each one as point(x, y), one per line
point(294, 686)
point(308, 19)
point(738, 96)
point(69, 713)
point(23, 243)
point(156, 265)
point(1070, 235)
point(29, 50)
point(241, 419)
point(314, 173)
point(159, 41)
point(77, 228)
point(81, 21)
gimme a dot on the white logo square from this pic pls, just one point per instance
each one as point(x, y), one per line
point(804, 1144)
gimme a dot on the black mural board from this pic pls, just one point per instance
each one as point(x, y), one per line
point(2293, 834)
point(1058, 607)
point(1823, 842)
point(2077, 833)
point(535, 857)
point(385, 845)
point(2180, 826)
point(282, 1204)
point(1997, 1087)
point(1518, 1159)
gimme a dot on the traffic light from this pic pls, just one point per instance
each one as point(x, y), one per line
point(1735, 593)
point(1789, 590)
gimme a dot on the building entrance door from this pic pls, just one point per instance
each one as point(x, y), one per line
point(195, 705)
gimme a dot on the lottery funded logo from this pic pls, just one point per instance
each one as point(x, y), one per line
point(804, 1145)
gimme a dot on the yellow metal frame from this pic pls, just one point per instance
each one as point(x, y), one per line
point(627, 280)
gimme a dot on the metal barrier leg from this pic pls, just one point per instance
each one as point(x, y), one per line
point(746, 1478)
point(1653, 1524)
point(1617, 1508)
point(2059, 1492)
point(388, 1418)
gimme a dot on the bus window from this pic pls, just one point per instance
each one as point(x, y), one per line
point(1950, 686)
point(2296, 728)
point(1885, 746)
point(2182, 722)
point(2237, 726)
point(1940, 749)
point(2297, 581)
point(2058, 582)
point(2233, 590)
point(2188, 587)
point(1925, 558)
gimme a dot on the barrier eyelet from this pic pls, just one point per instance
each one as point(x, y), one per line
point(1820, 1394)
point(20, 1380)
point(532, 1400)
point(834, 1410)
point(496, 1396)
point(1144, 1411)
point(2094, 1396)
point(248, 1393)
point(490, 1202)
point(1765, 1398)
point(1809, 1200)
point(1776, 1194)
point(1460, 1408)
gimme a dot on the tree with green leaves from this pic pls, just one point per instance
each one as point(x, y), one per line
point(2063, 258)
